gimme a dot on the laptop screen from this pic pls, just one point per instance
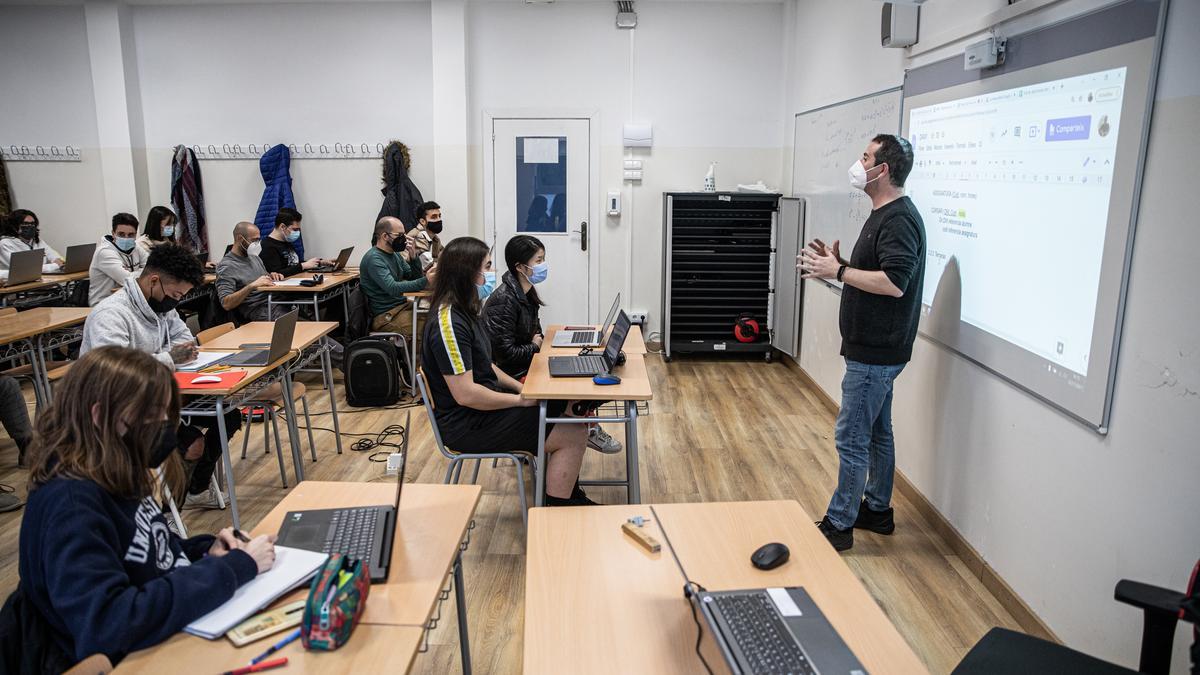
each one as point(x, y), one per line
point(612, 312)
point(617, 340)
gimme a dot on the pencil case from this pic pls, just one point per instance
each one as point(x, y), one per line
point(336, 602)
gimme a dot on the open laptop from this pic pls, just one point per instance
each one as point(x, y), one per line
point(769, 630)
point(25, 266)
point(79, 258)
point(588, 365)
point(365, 533)
point(587, 337)
point(339, 264)
point(281, 344)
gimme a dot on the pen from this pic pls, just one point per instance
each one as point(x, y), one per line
point(267, 665)
point(291, 637)
point(241, 536)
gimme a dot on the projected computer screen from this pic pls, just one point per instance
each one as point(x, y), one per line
point(1012, 175)
point(1027, 177)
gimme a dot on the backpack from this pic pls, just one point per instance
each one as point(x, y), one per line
point(27, 641)
point(371, 366)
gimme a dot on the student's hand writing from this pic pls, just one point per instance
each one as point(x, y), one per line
point(226, 542)
point(184, 352)
point(264, 280)
point(262, 549)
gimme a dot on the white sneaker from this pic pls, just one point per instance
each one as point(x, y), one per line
point(599, 440)
point(203, 500)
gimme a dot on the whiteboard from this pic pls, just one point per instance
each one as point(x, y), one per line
point(828, 140)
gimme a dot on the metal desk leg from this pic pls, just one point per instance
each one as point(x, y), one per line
point(316, 310)
point(229, 482)
point(460, 598)
point(412, 351)
point(327, 366)
point(634, 494)
point(289, 406)
point(41, 378)
point(539, 482)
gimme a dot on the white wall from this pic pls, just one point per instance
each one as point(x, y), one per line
point(287, 73)
point(47, 99)
point(706, 75)
point(1059, 511)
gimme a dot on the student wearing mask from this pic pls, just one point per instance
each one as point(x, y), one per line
point(278, 250)
point(425, 236)
point(21, 231)
point(97, 560)
point(388, 270)
point(511, 318)
point(117, 258)
point(143, 316)
point(478, 405)
point(160, 227)
point(241, 276)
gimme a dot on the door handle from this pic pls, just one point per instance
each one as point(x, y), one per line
point(583, 238)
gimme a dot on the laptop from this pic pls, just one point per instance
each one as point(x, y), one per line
point(79, 258)
point(25, 266)
point(339, 264)
point(769, 630)
point(589, 365)
point(281, 344)
point(587, 337)
point(365, 533)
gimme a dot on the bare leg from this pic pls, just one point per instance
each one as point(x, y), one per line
point(565, 447)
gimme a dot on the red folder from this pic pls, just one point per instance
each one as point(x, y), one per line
point(228, 379)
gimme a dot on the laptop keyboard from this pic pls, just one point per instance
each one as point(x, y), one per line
point(587, 364)
point(582, 336)
point(352, 532)
point(760, 634)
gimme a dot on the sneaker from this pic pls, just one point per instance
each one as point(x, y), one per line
point(841, 540)
point(8, 500)
point(599, 440)
point(880, 522)
point(572, 501)
point(202, 500)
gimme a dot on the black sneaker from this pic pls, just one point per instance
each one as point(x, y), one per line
point(879, 522)
point(841, 540)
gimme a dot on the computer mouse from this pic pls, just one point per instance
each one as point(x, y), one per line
point(206, 379)
point(606, 379)
point(769, 556)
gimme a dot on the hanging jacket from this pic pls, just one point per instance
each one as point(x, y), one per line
point(400, 196)
point(275, 166)
point(6, 200)
point(511, 320)
point(187, 199)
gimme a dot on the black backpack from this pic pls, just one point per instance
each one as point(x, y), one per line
point(372, 369)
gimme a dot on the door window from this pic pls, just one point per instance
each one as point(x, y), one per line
point(541, 174)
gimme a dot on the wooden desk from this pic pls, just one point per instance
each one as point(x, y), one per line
point(415, 298)
point(634, 387)
point(336, 284)
point(434, 521)
point(600, 603)
point(30, 333)
point(634, 343)
point(46, 281)
point(307, 333)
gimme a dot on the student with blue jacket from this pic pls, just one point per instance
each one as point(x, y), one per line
point(97, 560)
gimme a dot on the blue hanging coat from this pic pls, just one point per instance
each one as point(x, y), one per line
point(275, 168)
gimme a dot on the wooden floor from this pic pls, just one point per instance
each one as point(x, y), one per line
point(717, 430)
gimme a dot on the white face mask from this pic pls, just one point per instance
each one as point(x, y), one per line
point(858, 175)
point(255, 248)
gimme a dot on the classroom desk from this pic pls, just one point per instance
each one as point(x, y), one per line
point(634, 343)
point(336, 284)
point(10, 294)
point(203, 290)
point(33, 332)
point(307, 334)
point(434, 528)
point(415, 298)
point(597, 602)
point(634, 387)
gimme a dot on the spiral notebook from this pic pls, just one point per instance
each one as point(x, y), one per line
point(292, 568)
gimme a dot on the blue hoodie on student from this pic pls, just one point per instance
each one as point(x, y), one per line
point(110, 577)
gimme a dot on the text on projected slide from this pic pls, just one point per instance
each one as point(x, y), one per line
point(1015, 186)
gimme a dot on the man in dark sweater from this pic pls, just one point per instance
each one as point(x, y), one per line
point(279, 248)
point(881, 306)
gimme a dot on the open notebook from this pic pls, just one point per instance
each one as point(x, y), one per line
point(292, 567)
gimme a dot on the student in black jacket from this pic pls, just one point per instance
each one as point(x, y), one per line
point(97, 559)
point(278, 252)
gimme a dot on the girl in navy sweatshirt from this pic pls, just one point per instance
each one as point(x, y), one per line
point(97, 560)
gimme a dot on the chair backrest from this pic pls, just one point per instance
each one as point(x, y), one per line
point(428, 400)
point(213, 333)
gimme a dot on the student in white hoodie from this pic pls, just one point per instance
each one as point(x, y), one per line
point(20, 231)
point(117, 258)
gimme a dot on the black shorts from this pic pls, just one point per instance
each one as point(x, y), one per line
point(512, 429)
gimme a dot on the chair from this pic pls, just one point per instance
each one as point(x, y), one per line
point(454, 471)
point(270, 399)
point(1006, 652)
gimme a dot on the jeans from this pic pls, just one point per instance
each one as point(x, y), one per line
point(866, 448)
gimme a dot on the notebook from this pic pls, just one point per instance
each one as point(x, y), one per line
point(292, 568)
point(202, 361)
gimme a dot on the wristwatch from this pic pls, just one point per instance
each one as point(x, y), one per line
point(841, 271)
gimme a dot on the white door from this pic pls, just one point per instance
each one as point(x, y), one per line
point(541, 188)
